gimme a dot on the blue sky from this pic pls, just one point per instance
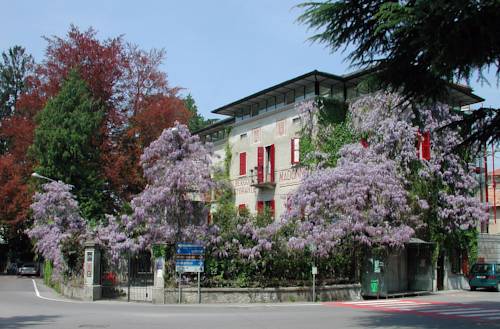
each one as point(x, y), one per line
point(219, 51)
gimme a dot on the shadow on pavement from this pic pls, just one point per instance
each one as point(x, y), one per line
point(420, 321)
point(26, 321)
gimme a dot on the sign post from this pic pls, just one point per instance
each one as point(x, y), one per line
point(189, 258)
point(314, 271)
point(199, 288)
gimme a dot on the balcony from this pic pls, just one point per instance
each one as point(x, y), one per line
point(266, 183)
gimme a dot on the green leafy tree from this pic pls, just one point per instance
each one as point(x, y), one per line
point(416, 47)
point(197, 121)
point(15, 66)
point(66, 144)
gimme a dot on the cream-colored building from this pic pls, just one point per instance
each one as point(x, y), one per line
point(262, 132)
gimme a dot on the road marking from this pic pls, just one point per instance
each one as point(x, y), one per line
point(465, 311)
point(269, 305)
point(37, 293)
point(456, 310)
point(482, 313)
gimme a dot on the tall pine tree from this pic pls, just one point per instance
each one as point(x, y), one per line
point(66, 144)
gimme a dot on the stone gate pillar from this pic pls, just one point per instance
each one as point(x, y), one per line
point(92, 272)
point(159, 271)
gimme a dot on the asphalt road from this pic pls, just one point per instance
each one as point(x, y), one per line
point(20, 307)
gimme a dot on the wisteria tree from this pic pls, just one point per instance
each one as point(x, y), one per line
point(177, 169)
point(57, 223)
point(362, 199)
point(380, 191)
point(445, 181)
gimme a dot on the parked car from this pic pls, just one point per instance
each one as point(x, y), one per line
point(485, 275)
point(27, 269)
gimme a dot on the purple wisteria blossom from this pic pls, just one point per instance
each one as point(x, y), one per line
point(362, 198)
point(177, 169)
point(56, 218)
point(391, 126)
point(367, 195)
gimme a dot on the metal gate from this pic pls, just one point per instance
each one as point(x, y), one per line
point(130, 279)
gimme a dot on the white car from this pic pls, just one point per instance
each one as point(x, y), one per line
point(27, 269)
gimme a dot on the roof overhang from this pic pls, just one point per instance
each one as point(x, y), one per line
point(216, 126)
point(279, 89)
point(459, 95)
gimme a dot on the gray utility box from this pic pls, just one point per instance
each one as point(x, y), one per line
point(408, 270)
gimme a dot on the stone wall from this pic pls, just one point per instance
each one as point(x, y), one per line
point(72, 291)
point(264, 295)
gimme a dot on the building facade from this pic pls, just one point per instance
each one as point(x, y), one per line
point(262, 134)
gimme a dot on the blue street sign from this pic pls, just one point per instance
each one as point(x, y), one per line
point(189, 265)
point(189, 249)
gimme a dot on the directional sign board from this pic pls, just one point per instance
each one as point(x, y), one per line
point(189, 265)
point(189, 258)
point(189, 249)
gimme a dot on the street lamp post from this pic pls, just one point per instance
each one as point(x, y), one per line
point(175, 132)
point(37, 175)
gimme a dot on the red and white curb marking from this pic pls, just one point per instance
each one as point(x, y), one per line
point(440, 309)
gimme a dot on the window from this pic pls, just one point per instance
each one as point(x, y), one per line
point(265, 164)
point(266, 206)
point(295, 150)
point(242, 208)
point(290, 97)
point(243, 136)
point(296, 120)
point(280, 100)
point(300, 93)
point(269, 205)
point(243, 163)
point(270, 163)
point(280, 128)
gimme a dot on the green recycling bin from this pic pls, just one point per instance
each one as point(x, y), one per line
point(374, 286)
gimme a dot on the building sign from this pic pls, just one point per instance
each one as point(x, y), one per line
point(89, 267)
point(291, 175)
point(89, 263)
point(243, 186)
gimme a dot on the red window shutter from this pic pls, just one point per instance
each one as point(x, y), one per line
point(209, 218)
point(272, 205)
point(243, 163)
point(260, 207)
point(260, 164)
point(295, 148)
point(426, 146)
point(272, 158)
point(419, 144)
